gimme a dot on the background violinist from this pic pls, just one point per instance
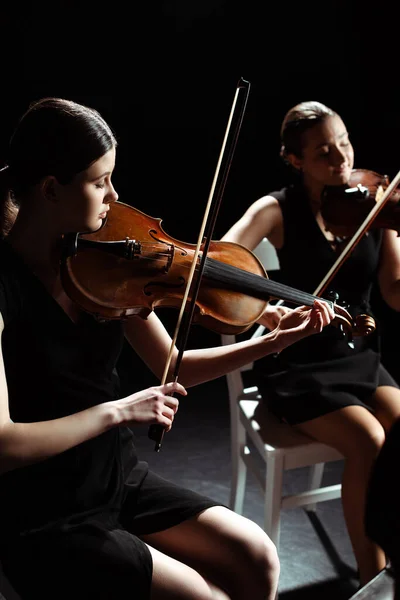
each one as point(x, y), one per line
point(337, 395)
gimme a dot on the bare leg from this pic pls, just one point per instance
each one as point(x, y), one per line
point(173, 580)
point(359, 436)
point(386, 403)
point(230, 555)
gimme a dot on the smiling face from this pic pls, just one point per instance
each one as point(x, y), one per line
point(83, 203)
point(327, 154)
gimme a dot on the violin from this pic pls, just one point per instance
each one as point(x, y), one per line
point(130, 266)
point(343, 208)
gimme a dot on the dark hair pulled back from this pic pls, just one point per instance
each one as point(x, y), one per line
point(297, 121)
point(55, 137)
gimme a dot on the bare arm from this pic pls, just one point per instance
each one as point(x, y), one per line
point(262, 219)
point(389, 269)
point(152, 342)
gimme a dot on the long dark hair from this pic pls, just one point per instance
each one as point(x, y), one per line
point(297, 121)
point(54, 137)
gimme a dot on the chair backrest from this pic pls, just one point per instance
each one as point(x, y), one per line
point(266, 252)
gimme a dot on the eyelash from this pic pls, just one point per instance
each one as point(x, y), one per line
point(100, 185)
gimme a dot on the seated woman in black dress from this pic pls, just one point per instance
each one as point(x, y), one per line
point(81, 516)
point(340, 396)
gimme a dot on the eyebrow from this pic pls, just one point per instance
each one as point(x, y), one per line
point(325, 144)
point(101, 176)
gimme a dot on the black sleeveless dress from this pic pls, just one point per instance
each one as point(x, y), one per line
point(322, 373)
point(70, 525)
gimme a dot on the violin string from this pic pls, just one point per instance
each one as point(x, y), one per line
point(266, 285)
point(253, 284)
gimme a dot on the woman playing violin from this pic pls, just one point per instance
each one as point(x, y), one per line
point(81, 516)
point(338, 395)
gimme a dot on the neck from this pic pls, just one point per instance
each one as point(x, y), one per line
point(314, 192)
point(33, 239)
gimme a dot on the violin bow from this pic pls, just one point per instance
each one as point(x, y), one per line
point(156, 432)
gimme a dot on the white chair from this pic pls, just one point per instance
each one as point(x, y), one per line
point(255, 430)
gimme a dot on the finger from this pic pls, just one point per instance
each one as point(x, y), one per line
point(314, 316)
point(173, 386)
point(165, 419)
point(319, 324)
point(167, 425)
point(317, 317)
point(325, 310)
point(328, 308)
point(169, 413)
point(329, 315)
point(172, 403)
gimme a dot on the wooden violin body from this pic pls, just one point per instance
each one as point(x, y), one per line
point(344, 208)
point(130, 266)
point(151, 269)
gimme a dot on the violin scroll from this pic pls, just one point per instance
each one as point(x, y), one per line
point(361, 325)
point(364, 325)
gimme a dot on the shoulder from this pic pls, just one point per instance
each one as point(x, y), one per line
point(268, 203)
point(287, 194)
point(276, 199)
point(264, 219)
point(274, 202)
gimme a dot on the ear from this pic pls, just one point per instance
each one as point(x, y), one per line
point(49, 188)
point(295, 161)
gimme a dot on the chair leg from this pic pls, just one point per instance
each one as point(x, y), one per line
point(314, 482)
point(273, 496)
point(239, 468)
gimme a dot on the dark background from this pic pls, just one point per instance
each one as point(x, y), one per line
point(164, 74)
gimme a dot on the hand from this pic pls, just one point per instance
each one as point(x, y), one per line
point(272, 315)
point(154, 405)
point(304, 321)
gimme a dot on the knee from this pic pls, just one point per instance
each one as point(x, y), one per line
point(375, 440)
point(267, 566)
point(271, 563)
point(263, 559)
point(366, 447)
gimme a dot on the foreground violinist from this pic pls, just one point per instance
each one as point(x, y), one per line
point(81, 517)
point(339, 396)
